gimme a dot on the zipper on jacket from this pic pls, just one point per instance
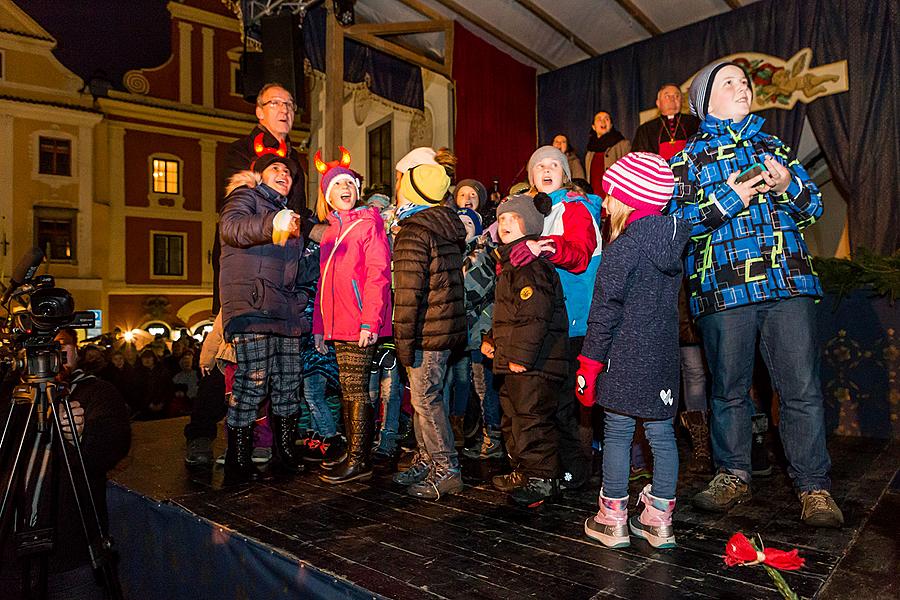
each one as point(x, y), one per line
point(356, 293)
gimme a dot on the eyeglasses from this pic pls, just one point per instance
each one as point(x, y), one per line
point(278, 103)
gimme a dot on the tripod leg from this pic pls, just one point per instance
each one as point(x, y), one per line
point(101, 558)
point(15, 470)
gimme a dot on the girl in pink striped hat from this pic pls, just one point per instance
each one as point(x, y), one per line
point(629, 363)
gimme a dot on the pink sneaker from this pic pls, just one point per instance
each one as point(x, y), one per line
point(654, 524)
point(610, 525)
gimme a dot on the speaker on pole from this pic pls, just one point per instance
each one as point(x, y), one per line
point(281, 59)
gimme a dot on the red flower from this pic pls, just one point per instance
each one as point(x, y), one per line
point(739, 551)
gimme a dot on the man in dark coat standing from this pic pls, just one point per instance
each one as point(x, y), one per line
point(667, 134)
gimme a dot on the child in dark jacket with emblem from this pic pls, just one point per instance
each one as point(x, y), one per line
point(529, 345)
point(633, 339)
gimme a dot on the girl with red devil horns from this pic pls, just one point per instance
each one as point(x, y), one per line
point(353, 304)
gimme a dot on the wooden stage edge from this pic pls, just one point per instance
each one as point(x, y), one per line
point(476, 545)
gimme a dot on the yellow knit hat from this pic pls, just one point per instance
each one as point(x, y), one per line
point(425, 184)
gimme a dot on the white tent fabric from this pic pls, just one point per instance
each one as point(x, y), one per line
point(604, 25)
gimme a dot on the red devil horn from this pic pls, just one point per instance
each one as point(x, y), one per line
point(282, 149)
point(345, 156)
point(258, 145)
point(320, 166)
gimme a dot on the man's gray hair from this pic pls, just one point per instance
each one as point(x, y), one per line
point(268, 87)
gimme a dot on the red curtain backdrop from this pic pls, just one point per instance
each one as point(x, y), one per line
point(496, 125)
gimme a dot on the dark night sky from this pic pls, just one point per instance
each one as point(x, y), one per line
point(109, 36)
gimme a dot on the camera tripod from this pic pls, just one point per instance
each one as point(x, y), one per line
point(33, 442)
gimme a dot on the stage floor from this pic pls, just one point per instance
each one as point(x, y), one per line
point(475, 545)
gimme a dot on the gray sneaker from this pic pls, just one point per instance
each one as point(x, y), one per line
point(199, 452)
point(490, 447)
point(416, 473)
point(436, 485)
point(819, 510)
point(724, 491)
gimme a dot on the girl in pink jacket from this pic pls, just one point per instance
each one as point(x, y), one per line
point(352, 306)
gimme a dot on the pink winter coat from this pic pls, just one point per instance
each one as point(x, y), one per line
point(354, 290)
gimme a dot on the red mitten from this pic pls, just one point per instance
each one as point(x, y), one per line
point(521, 255)
point(586, 380)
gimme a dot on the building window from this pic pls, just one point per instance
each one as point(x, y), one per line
point(166, 177)
point(168, 254)
point(55, 156)
point(380, 164)
point(55, 233)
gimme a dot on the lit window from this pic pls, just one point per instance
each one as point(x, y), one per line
point(55, 233)
point(381, 169)
point(168, 254)
point(165, 176)
point(55, 156)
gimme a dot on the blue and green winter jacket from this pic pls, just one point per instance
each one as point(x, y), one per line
point(736, 255)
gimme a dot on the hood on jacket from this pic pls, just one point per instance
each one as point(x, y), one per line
point(442, 221)
point(741, 130)
point(248, 178)
point(662, 239)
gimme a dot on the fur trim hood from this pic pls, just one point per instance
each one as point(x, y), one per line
point(248, 178)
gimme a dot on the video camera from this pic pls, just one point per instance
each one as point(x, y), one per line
point(27, 342)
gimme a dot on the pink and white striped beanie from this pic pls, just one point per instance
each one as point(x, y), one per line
point(641, 180)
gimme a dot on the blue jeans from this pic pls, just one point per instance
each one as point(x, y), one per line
point(618, 432)
point(693, 375)
point(321, 418)
point(432, 423)
point(385, 384)
point(456, 385)
point(788, 346)
point(483, 380)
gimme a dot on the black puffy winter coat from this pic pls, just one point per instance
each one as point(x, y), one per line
point(429, 296)
point(633, 323)
point(531, 325)
point(260, 281)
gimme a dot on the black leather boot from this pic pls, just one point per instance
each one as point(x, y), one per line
point(239, 467)
point(337, 461)
point(360, 432)
point(284, 449)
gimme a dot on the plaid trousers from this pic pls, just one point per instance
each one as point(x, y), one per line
point(267, 365)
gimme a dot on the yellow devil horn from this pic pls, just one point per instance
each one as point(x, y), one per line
point(320, 166)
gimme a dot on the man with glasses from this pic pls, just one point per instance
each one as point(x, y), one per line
point(275, 109)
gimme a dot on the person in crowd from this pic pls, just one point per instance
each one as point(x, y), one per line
point(758, 198)
point(154, 386)
point(637, 285)
point(482, 435)
point(561, 142)
point(605, 146)
point(172, 362)
point(571, 242)
point(119, 373)
point(101, 423)
point(459, 369)
point(217, 364)
point(185, 384)
point(667, 134)
point(429, 321)
point(353, 305)
point(262, 309)
point(694, 415)
point(528, 343)
point(471, 193)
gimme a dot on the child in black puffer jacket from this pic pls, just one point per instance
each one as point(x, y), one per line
point(529, 345)
point(632, 338)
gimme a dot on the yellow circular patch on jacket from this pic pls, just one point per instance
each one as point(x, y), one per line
point(526, 293)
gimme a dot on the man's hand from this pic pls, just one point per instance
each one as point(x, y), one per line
point(517, 368)
point(748, 190)
point(777, 176)
point(77, 414)
point(319, 341)
point(487, 348)
point(367, 338)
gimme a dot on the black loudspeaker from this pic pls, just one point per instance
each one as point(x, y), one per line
point(251, 75)
point(282, 42)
